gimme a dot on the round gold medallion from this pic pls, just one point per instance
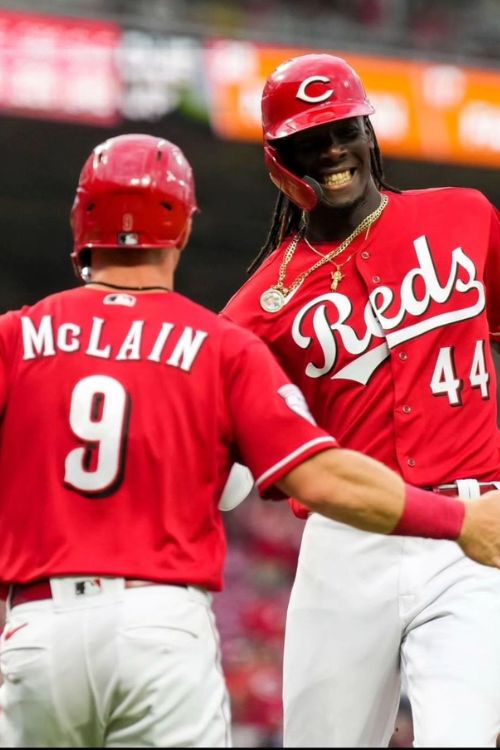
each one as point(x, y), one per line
point(272, 300)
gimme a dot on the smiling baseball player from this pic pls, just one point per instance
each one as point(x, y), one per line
point(380, 305)
point(125, 407)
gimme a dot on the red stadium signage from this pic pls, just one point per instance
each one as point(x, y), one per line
point(59, 68)
point(429, 111)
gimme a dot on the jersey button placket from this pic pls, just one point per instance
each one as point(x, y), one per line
point(376, 279)
point(406, 409)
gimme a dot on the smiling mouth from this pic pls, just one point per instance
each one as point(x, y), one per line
point(339, 179)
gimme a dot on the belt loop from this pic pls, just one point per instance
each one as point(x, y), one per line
point(468, 489)
point(8, 601)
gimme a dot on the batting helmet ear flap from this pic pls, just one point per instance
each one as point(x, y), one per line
point(304, 192)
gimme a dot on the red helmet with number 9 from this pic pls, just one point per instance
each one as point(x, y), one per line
point(301, 93)
point(134, 191)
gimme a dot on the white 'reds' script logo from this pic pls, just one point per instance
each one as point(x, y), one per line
point(377, 323)
point(302, 92)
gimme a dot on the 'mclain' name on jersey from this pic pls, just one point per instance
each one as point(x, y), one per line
point(169, 346)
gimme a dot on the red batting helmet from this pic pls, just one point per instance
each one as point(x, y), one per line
point(302, 93)
point(134, 191)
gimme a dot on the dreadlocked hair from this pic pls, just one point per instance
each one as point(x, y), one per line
point(376, 163)
point(287, 217)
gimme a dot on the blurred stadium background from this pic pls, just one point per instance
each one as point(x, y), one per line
point(74, 72)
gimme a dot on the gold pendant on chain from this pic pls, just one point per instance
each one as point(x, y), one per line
point(272, 300)
point(337, 277)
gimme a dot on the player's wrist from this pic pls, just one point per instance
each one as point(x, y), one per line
point(430, 515)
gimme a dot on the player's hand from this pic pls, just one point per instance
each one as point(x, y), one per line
point(480, 535)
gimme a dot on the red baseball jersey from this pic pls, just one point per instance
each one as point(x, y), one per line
point(397, 362)
point(122, 416)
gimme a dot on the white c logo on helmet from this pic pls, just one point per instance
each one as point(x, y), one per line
point(302, 94)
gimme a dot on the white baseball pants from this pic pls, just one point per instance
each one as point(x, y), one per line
point(366, 610)
point(133, 667)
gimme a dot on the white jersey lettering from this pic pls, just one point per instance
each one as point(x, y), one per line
point(45, 341)
point(68, 337)
point(131, 347)
point(335, 307)
point(39, 341)
point(187, 348)
point(160, 342)
point(95, 335)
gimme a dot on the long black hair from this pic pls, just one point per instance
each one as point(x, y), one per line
point(287, 217)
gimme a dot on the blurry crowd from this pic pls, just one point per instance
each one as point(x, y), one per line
point(455, 27)
point(459, 29)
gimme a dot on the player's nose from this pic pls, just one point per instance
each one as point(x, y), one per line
point(332, 143)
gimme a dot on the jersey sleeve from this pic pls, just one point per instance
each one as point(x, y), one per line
point(492, 276)
point(273, 428)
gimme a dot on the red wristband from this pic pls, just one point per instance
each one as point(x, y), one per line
point(430, 515)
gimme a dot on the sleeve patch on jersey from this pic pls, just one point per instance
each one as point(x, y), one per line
point(294, 399)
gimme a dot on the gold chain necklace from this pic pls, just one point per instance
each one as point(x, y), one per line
point(274, 298)
point(336, 275)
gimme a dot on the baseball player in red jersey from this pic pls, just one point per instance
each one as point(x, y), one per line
point(380, 305)
point(124, 406)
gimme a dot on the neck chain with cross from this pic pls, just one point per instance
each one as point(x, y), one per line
point(337, 275)
point(274, 298)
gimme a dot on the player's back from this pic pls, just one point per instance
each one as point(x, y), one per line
point(113, 429)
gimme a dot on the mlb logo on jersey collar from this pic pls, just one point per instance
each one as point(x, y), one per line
point(120, 299)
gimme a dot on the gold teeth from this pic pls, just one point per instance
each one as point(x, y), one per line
point(337, 179)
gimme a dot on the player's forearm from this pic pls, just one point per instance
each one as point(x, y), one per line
point(349, 487)
point(352, 488)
